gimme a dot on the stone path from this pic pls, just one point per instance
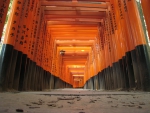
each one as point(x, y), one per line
point(75, 101)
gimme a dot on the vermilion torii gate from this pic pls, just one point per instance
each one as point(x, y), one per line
point(112, 36)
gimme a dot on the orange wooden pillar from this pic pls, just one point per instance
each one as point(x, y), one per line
point(140, 43)
point(60, 64)
point(114, 46)
point(38, 48)
point(18, 49)
point(27, 41)
point(52, 66)
point(118, 18)
point(97, 55)
point(129, 46)
point(44, 58)
point(88, 71)
point(105, 57)
point(146, 8)
point(99, 64)
point(9, 42)
point(131, 55)
point(55, 66)
point(4, 4)
point(102, 57)
point(36, 30)
point(21, 46)
point(108, 62)
point(86, 76)
point(97, 52)
point(49, 55)
point(93, 68)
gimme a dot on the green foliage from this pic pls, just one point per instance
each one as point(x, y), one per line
point(7, 17)
point(142, 21)
point(8, 13)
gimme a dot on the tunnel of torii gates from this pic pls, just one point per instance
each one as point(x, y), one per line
point(91, 44)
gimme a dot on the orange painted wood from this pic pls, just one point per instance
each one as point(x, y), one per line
point(108, 39)
point(112, 39)
point(84, 0)
point(73, 17)
point(12, 28)
point(28, 23)
point(72, 9)
point(126, 29)
point(115, 36)
point(37, 34)
point(74, 13)
point(135, 23)
point(70, 4)
point(118, 28)
point(21, 31)
point(34, 32)
point(146, 10)
point(40, 41)
point(4, 4)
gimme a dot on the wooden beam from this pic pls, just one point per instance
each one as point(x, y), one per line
point(77, 37)
point(76, 48)
point(77, 71)
point(60, 26)
point(73, 4)
point(73, 33)
point(74, 60)
point(76, 57)
point(81, 45)
point(73, 45)
point(71, 23)
point(73, 9)
point(102, 13)
point(71, 62)
point(82, 0)
point(74, 37)
point(80, 70)
point(48, 16)
point(67, 35)
point(75, 19)
point(69, 29)
point(76, 68)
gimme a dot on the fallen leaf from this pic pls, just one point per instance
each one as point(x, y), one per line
point(65, 98)
point(115, 106)
point(139, 107)
point(34, 107)
point(19, 110)
point(28, 105)
point(52, 105)
point(71, 102)
point(110, 102)
point(131, 105)
point(131, 102)
point(141, 103)
point(60, 106)
point(52, 101)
